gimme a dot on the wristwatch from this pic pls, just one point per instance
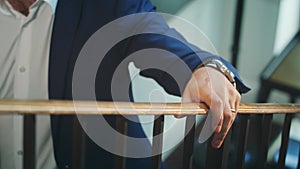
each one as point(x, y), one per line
point(218, 65)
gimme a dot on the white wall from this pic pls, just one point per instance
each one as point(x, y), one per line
point(288, 23)
point(258, 35)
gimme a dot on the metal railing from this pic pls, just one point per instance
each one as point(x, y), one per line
point(31, 108)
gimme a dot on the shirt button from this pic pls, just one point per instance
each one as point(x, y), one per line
point(22, 69)
point(66, 166)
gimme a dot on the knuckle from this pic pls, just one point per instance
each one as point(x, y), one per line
point(219, 120)
point(238, 96)
point(228, 115)
point(205, 82)
point(227, 112)
point(217, 102)
point(232, 91)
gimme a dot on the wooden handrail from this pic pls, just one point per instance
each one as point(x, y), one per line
point(55, 107)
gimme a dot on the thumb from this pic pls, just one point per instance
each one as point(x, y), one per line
point(186, 98)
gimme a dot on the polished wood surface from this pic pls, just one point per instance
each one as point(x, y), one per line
point(129, 108)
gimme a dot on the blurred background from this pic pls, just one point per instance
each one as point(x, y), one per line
point(267, 29)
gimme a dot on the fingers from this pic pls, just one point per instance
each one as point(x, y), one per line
point(216, 107)
point(219, 137)
point(229, 118)
point(186, 98)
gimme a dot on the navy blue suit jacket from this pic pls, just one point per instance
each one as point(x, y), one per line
point(75, 21)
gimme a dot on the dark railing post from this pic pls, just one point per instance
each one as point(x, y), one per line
point(213, 156)
point(121, 126)
point(189, 141)
point(284, 140)
point(298, 167)
point(265, 135)
point(243, 132)
point(226, 149)
point(78, 147)
point(237, 31)
point(157, 142)
point(218, 158)
point(29, 142)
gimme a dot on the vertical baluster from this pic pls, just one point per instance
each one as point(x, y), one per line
point(264, 147)
point(243, 132)
point(226, 150)
point(121, 126)
point(298, 167)
point(157, 141)
point(218, 158)
point(237, 31)
point(213, 157)
point(78, 147)
point(29, 142)
point(189, 142)
point(284, 140)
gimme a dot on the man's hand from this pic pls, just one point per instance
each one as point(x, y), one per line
point(211, 87)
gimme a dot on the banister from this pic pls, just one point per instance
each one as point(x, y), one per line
point(58, 107)
point(30, 108)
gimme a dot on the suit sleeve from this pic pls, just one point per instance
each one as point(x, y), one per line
point(176, 57)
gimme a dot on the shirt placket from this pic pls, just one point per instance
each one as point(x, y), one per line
point(22, 82)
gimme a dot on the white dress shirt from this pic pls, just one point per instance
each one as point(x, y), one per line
point(24, 54)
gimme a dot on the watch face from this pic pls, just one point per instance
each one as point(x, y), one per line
point(223, 69)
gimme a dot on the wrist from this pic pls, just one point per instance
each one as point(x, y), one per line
point(222, 68)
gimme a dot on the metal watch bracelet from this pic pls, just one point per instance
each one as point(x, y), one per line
point(218, 65)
